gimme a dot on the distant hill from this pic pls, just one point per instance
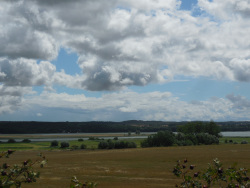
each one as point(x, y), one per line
point(31, 127)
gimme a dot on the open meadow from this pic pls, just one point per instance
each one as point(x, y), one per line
point(139, 167)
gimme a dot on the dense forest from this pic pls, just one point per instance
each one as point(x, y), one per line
point(15, 127)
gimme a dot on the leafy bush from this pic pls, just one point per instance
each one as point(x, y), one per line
point(120, 145)
point(109, 144)
point(75, 183)
point(64, 144)
point(54, 143)
point(80, 140)
point(244, 142)
point(200, 127)
point(83, 146)
point(132, 145)
point(11, 140)
point(75, 147)
point(26, 140)
point(192, 139)
point(17, 174)
point(207, 139)
point(167, 138)
point(214, 175)
point(162, 138)
point(94, 138)
point(103, 145)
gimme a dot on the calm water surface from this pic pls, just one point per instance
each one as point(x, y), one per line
point(59, 136)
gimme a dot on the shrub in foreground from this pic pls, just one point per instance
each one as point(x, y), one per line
point(214, 175)
point(75, 183)
point(16, 175)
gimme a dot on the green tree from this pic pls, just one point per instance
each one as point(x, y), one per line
point(54, 143)
point(200, 127)
point(64, 144)
point(162, 138)
point(212, 128)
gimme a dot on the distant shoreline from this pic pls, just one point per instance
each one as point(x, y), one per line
point(85, 136)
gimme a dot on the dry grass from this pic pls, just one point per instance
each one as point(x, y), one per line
point(140, 168)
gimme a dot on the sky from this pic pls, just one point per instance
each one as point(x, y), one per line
point(118, 60)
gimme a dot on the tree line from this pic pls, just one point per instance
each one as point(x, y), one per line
point(32, 127)
point(195, 133)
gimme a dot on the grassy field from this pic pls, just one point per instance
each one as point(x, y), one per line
point(140, 168)
point(91, 144)
point(235, 139)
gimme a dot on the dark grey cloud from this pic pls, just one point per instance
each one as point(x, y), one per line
point(11, 98)
point(24, 72)
point(239, 102)
point(24, 32)
point(241, 69)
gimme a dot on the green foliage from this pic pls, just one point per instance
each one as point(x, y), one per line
point(17, 174)
point(64, 144)
point(80, 140)
point(94, 138)
point(83, 146)
point(26, 140)
point(75, 147)
point(31, 127)
point(75, 183)
point(200, 127)
point(11, 140)
point(207, 139)
point(103, 145)
point(162, 138)
point(54, 143)
point(214, 175)
point(196, 139)
point(244, 142)
point(167, 138)
point(109, 144)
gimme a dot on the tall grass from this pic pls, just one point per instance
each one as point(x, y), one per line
point(140, 168)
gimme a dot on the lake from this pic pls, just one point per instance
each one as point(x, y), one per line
point(85, 136)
